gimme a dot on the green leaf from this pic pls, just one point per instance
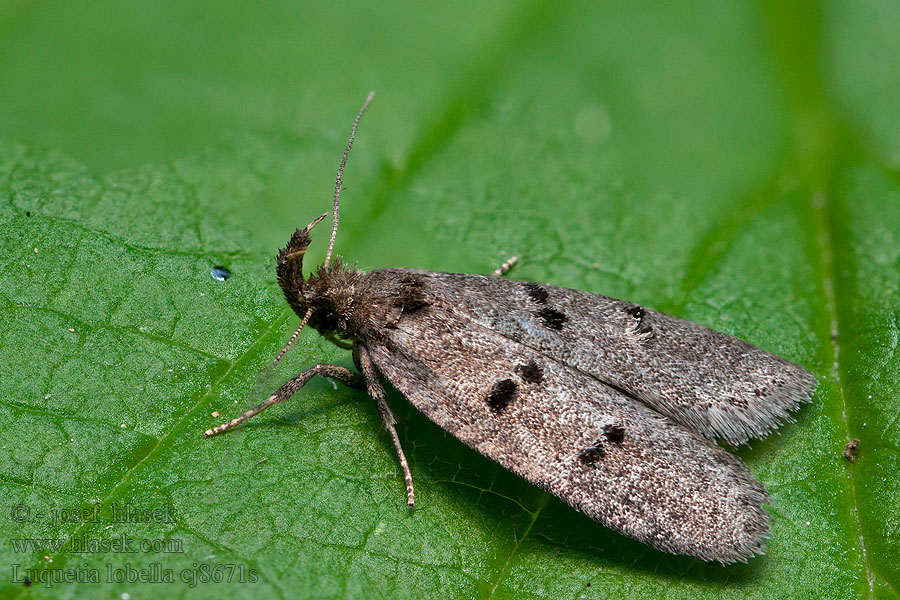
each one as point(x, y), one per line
point(737, 164)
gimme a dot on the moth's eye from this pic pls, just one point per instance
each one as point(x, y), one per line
point(323, 306)
point(328, 319)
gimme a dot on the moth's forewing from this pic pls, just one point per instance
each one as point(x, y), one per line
point(714, 383)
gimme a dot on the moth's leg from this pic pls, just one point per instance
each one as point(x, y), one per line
point(505, 267)
point(339, 343)
point(338, 372)
point(387, 415)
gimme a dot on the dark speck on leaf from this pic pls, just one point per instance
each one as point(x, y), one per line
point(220, 273)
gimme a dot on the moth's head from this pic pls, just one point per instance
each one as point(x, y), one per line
point(329, 296)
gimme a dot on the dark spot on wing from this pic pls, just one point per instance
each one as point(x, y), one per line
point(536, 292)
point(501, 394)
point(530, 372)
point(614, 433)
point(636, 311)
point(411, 296)
point(592, 454)
point(551, 318)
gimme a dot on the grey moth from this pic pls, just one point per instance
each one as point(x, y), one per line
point(611, 406)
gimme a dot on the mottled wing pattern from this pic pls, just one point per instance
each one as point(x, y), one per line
point(618, 461)
point(714, 383)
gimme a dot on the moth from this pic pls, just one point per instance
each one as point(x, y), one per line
point(611, 406)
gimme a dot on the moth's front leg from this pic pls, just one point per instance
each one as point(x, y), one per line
point(362, 357)
point(338, 372)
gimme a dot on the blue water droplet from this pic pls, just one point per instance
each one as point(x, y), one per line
point(220, 273)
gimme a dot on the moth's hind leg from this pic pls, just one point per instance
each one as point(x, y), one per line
point(364, 361)
point(505, 267)
point(342, 374)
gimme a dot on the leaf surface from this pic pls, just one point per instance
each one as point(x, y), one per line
point(731, 163)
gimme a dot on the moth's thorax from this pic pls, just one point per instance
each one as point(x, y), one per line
point(356, 305)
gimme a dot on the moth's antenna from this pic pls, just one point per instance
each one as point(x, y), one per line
point(293, 338)
point(334, 226)
point(340, 174)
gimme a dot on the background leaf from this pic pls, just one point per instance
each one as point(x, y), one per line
point(734, 163)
